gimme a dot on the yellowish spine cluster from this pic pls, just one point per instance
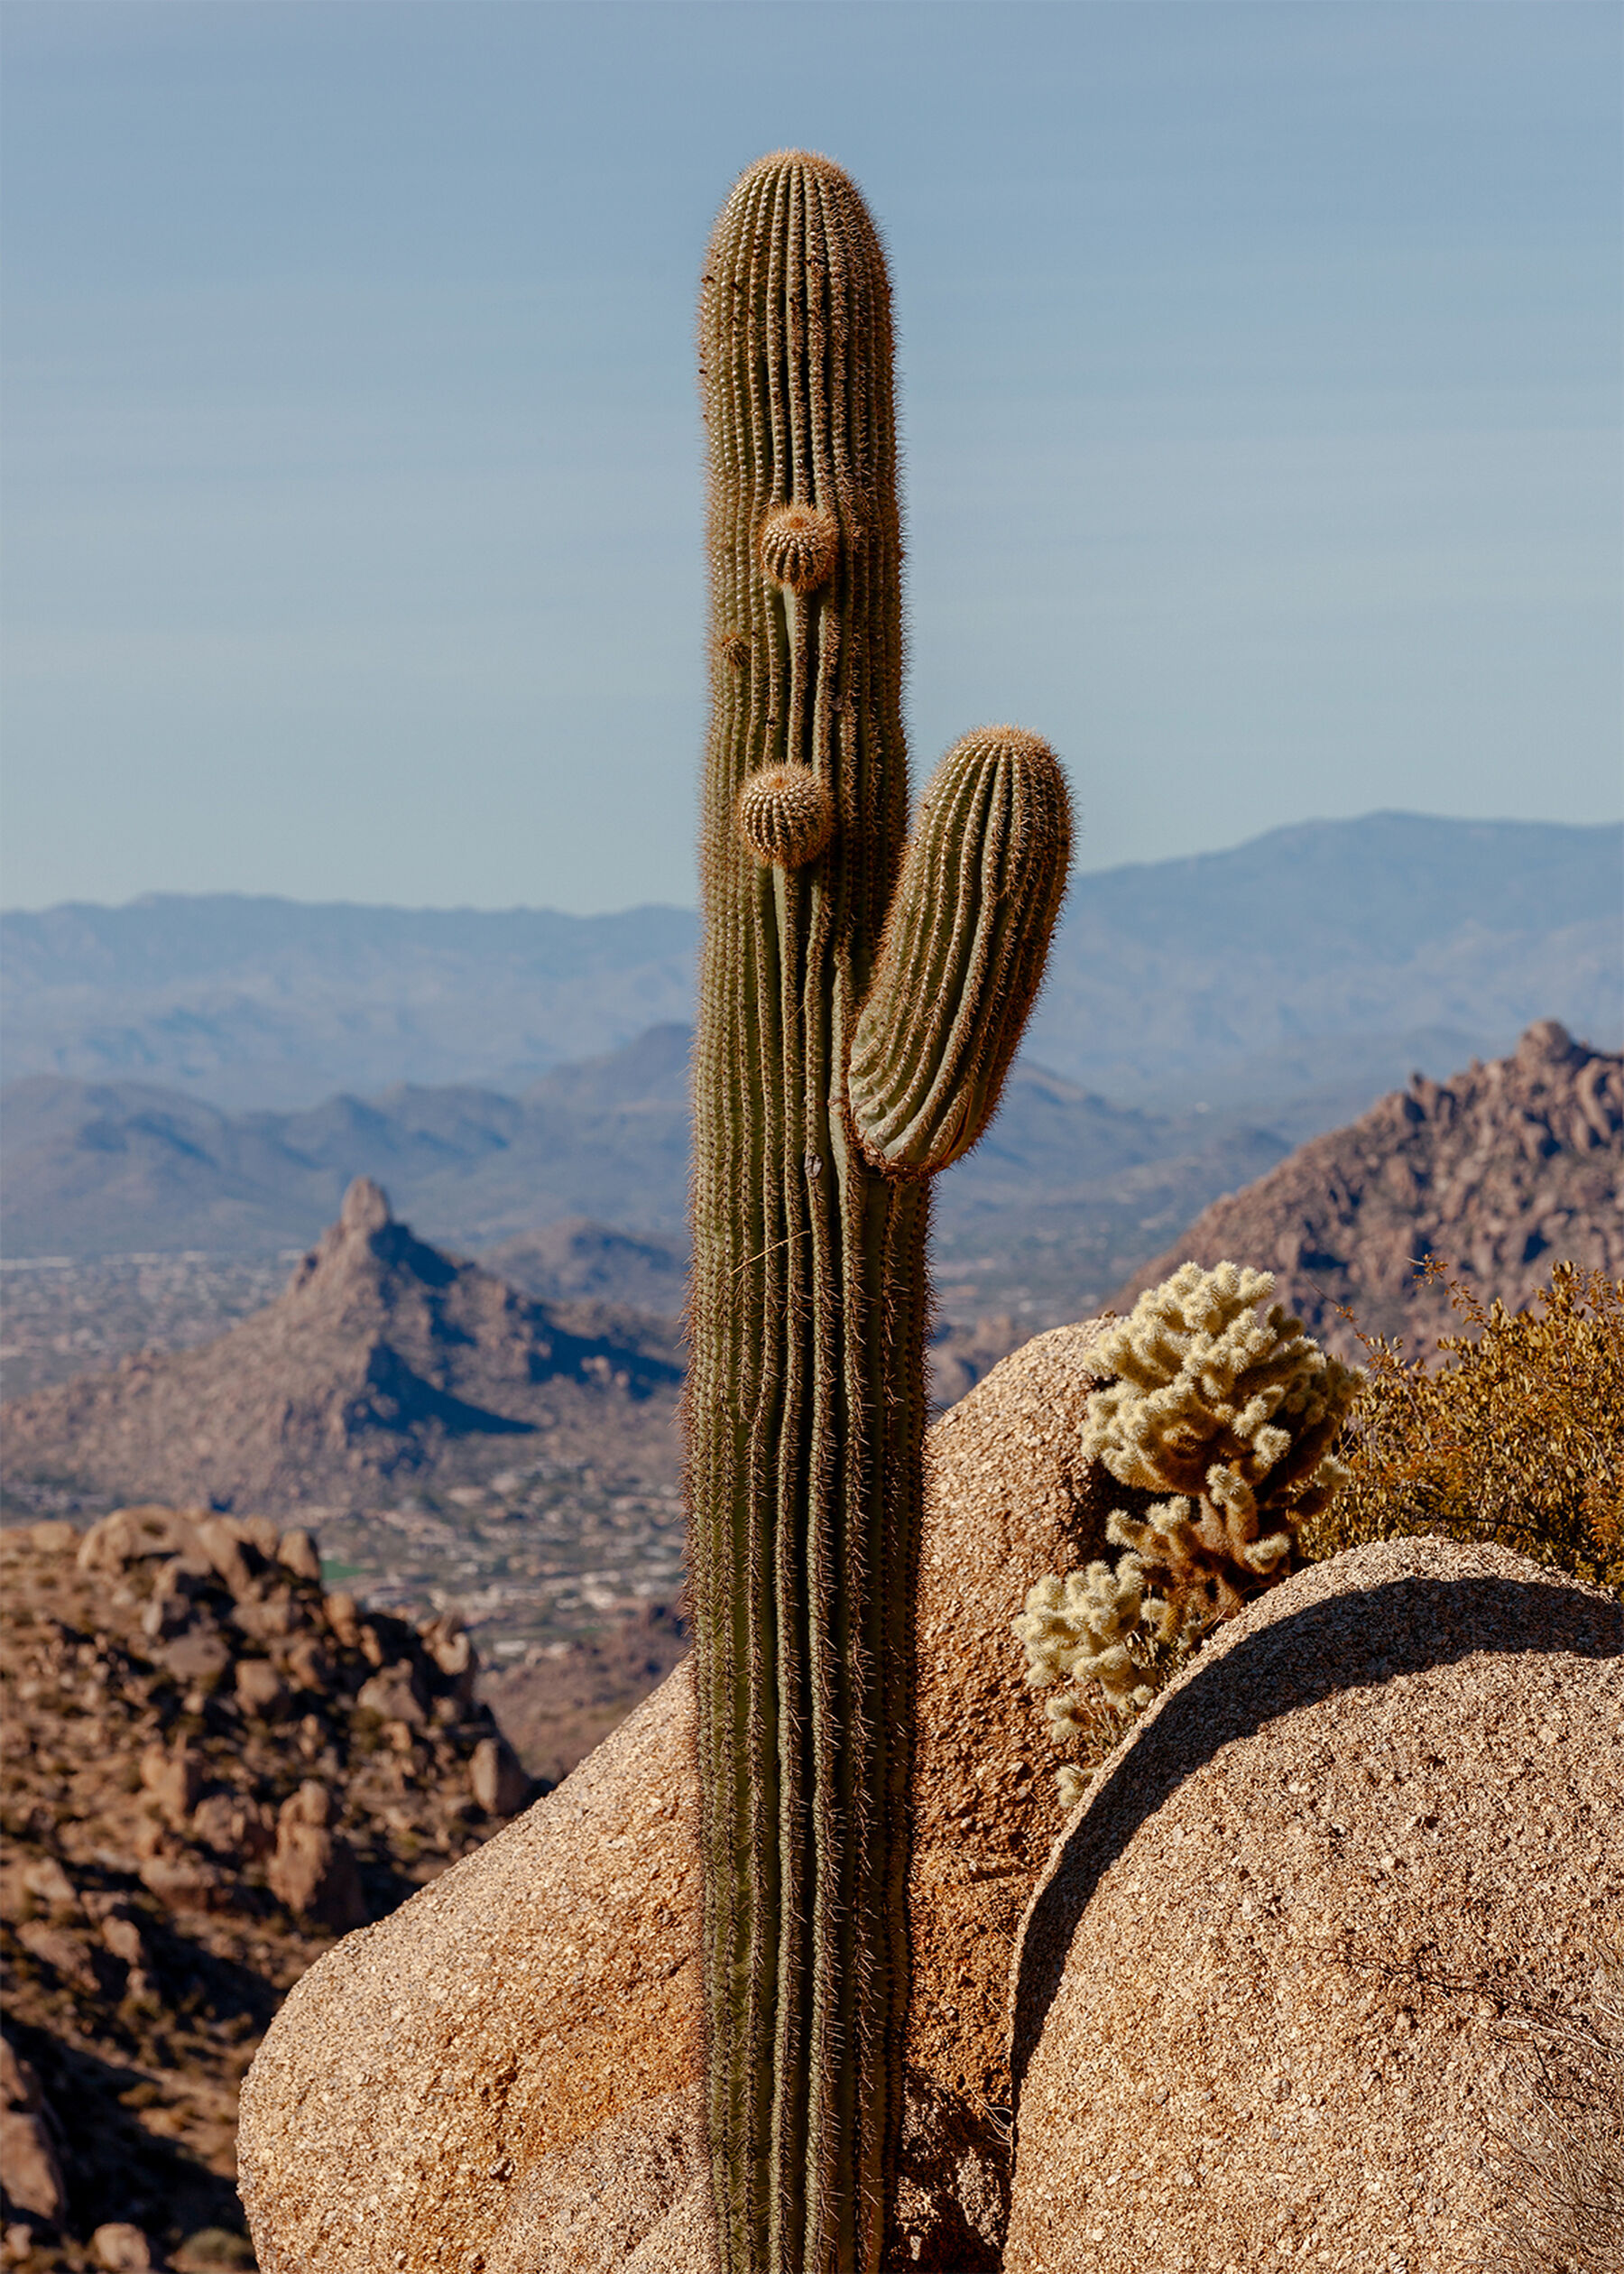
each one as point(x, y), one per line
point(786, 816)
point(800, 545)
point(1077, 1630)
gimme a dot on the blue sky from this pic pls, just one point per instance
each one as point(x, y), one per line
point(1259, 387)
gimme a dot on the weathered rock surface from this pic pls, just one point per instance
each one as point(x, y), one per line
point(1264, 1990)
point(1502, 1171)
point(510, 2066)
point(1008, 1498)
point(30, 2171)
point(381, 1355)
point(425, 2077)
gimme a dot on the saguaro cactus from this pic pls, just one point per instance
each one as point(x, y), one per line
point(860, 1004)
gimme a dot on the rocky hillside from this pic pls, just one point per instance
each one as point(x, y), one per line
point(1501, 1172)
point(575, 1259)
point(212, 1769)
point(383, 1356)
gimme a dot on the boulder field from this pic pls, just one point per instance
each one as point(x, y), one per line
point(1227, 2013)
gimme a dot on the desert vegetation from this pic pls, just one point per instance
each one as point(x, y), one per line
point(1511, 1430)
point(863, 991)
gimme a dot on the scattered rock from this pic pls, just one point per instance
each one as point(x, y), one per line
point(198, 1659)
point(186, 1883)
point(500, 1785)
point(121, 2248)
point(174, 1779)
point(395, 1694)
point(146, 1921)
point(452, 1650)
point(297, 1552)
point(122, 1937)
point(233, 1556)
point(261, 1689)
point(313, 1870)
point(344, 1617)
point(309, 1667)
point(230, 1825)
point(32, 2174)
point(28, 2167)
point(66, 1955)
point(48, 1881)
point(1259, 1989)
point(130, 1534)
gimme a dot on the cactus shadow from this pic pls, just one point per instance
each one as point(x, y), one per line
point(1354, 1640)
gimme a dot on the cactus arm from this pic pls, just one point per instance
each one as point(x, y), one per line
point(963, 953)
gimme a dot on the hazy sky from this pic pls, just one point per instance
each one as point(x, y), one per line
point(1260, 386)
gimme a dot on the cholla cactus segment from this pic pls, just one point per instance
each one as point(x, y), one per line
point(1073, 1784)
point(1077, 1628)
point(1231, 1410)
point(1207, 1565)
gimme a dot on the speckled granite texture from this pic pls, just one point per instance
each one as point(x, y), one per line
point(1266, 1997)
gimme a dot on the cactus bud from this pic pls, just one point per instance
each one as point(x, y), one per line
point(799, 546)
point(786, 816)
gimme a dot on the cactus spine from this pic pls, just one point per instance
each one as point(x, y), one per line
point(832, 1074)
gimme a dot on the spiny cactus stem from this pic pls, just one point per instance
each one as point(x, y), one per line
point(806, 1402)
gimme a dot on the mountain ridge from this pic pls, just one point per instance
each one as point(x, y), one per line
point(101, 1168)
point(1501, 1172)
point(1375, 928)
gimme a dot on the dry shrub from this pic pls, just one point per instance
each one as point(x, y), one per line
point(1517, 1435)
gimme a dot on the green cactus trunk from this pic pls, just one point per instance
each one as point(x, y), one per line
point(806, 1399)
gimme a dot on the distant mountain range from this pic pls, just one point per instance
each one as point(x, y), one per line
point(1291, 979)
point(386, 1358)
point(114, 1168)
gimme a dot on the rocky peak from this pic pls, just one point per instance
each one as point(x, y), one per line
point(366, 1209)
point(1547, 1043)
point(1502, 1171)
point(383, 1356)
point(367, 1247)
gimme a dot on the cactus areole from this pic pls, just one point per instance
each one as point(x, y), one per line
point(861, 999)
